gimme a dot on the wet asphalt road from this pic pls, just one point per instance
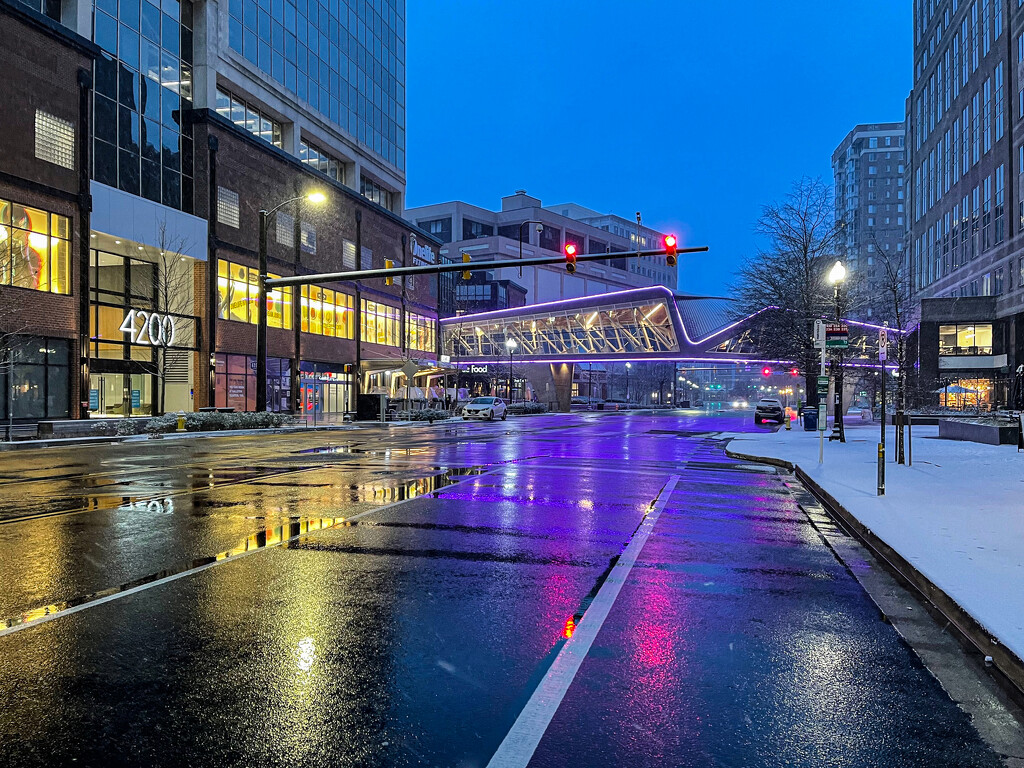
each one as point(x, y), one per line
point(414, 631)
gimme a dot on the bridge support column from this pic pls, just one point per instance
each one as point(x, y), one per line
point(561, 373)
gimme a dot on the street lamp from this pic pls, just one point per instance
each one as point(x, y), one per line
point(628, 366)
point(836, 276)
point(510, 345)
point(261, 309)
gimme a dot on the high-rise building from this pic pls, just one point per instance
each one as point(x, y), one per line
point(148, 136)
point(868, 166)
point(965, 206)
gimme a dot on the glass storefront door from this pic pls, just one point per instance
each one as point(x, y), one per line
point(118, 394)
point(107, 395)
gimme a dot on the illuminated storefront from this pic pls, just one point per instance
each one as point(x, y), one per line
point(235, 382)
point(34, 248)
point(142, 332)
point(326, 390)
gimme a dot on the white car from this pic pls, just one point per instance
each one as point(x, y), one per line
point(485, 408)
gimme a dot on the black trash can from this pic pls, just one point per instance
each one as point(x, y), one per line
point(810, 419)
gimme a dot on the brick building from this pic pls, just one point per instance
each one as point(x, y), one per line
point(44, 214)
point(130, 188)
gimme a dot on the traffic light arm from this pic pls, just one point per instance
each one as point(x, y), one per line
point(434, 269)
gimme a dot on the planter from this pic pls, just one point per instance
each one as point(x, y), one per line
point(989, 434)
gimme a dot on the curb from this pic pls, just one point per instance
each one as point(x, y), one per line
point(71, 442)
point(972, 635)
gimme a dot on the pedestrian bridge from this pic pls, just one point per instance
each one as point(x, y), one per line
point(634, 325)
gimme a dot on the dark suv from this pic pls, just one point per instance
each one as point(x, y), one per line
point(769, 409)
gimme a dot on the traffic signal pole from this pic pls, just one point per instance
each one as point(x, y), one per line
point(434, 269)
point(267, 283)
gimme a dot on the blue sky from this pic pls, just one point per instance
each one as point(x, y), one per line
point(694, 113)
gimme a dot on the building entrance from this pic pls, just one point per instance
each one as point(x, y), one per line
point(115, 395)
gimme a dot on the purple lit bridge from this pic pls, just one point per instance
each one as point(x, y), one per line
point(638, 325)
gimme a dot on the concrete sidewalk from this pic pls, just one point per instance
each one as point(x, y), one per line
point(107, 439)
point(956, 516)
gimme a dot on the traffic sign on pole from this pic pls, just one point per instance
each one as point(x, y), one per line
point(883, 344)
point(819, 334)
point(837, 336)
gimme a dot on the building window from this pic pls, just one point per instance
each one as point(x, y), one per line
point(143, 88)
point(1000, 199)
point(249, 117)
point(344, 60)
point(308, 232)
point(228, 207)
point(322, 161)
point(379, 323)
point(238, 294)
point(420, 332)
point(972, 339)
point(55, 140)
point(35, 248)
point(327, 312)
point(371, 190)
point(284, 229)
point(997, 281)
point(37, 379)
point(235, 382)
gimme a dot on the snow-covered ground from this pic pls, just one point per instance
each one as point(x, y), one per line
point(957, 514)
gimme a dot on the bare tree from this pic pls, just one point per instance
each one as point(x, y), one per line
point(170, 282)
point(790, 276)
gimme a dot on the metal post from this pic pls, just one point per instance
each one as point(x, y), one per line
point(883, 354)
point(821, 412)
point(261, 319)
point(910, 440)
point(510, 349)
point(837, 427)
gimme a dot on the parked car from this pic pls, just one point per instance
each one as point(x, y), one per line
point(769, 409)
point(485, 408)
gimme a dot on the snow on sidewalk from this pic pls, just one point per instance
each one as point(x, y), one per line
point(957, 514)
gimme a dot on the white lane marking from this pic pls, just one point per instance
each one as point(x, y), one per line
point(522, 740)
point(233, 558)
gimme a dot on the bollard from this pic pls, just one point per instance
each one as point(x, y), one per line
point(789, 420)
point(181, 421)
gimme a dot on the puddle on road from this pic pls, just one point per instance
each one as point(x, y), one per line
point(293, 528)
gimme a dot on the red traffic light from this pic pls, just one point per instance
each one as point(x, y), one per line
point(794, 371)
point(766, 371)
point(671, 246)
point(570, 257)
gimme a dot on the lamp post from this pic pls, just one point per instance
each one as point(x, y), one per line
point(540, 228)
point(510, 345)
point(836, 276)
point(628, 366)
point(261, 309)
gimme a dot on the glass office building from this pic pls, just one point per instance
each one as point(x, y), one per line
point(143, 86)
point(345, 58)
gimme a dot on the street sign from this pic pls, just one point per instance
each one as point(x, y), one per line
point(883, 344)
point(837, 336)
point(819, 334)
point(823, 386)
point(410, 369)
point(822, 417)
